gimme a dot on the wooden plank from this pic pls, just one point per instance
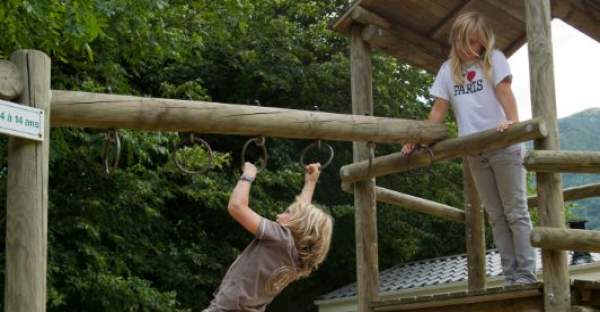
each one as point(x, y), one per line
point(11, 84)
point(563, 161)
point(456, 304)
point(367, 17)
point(92, 110)
point(407, 46)
point(581, 14)
point(584, 284)
point(579, 308)
point(515, 45)
point(420, 205)
point(531, 304)
point(474, 232)
point(441, 28)
point(572, 193)
point(515, 9)
point(549, 185)
point(27, 195)
point(445, 150)
point(344, 24)
point(565, 239)
point(367, 262)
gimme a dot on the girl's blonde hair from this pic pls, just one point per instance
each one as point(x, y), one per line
point(465, 27)
point(311, 228)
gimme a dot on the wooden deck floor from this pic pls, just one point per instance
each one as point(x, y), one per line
point(524, 298)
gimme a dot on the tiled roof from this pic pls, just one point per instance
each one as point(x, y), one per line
point(431, 272)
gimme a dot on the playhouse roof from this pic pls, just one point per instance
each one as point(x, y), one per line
point(436, 271)
point(416, 31)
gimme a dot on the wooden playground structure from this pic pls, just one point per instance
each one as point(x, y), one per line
point(378, 24)
point(417, 32)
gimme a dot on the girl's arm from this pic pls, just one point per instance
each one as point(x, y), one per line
point(438, 112)
point(238, 201)
point(509, 104)
point(310, 182)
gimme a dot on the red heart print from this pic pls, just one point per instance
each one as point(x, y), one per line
point(471, 75)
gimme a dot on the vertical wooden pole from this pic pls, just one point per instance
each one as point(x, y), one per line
point(475, 232)
point(367, 262)
point(549, 186)
point(27, 195)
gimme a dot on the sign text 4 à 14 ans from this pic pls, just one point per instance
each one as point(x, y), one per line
point(21, 121)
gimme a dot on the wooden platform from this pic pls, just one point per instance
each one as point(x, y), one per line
point(529, 298)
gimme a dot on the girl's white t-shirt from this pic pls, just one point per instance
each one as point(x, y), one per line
point(475, 105)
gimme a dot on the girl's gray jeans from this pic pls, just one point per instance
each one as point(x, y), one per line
point(500, 181)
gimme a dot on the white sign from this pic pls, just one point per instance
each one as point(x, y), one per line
point(21, 121)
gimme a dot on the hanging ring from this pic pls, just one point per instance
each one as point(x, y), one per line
point(192, 140)
point(260, 143)
point(111, 137)
point(318, 145)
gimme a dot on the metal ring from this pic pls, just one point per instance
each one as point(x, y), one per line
point(191, 141)
point(111, 137)
point(318, 145)
point(260, 143)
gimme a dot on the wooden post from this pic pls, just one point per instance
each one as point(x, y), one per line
point(367, 262)
point(543, 101)
point(475, 232)
point(27, 195)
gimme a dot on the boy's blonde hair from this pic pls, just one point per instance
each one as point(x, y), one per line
point(465, 27)
point(311, 228)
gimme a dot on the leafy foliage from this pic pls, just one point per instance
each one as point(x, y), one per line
point(149, 238)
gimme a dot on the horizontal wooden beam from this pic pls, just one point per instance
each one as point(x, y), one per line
point(366, 17)
point(563, 161)
point(565, 239)
point(408, 46)
point(572, 193)
point(94, 110)
point(419, 205)
point(344, 23)
point(445, 150)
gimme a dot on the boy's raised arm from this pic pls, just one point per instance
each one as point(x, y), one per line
point(238, 206)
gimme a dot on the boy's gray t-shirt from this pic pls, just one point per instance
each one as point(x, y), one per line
point(271, 256)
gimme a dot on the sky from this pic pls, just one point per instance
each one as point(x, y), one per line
point(576, 72)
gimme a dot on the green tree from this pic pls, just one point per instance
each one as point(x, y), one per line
point(149, 238)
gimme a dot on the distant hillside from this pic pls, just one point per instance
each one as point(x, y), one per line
point(581, 131)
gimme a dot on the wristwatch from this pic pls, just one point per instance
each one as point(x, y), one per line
point(246, 178)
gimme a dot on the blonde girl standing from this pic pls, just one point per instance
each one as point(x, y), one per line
point(476, 81)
